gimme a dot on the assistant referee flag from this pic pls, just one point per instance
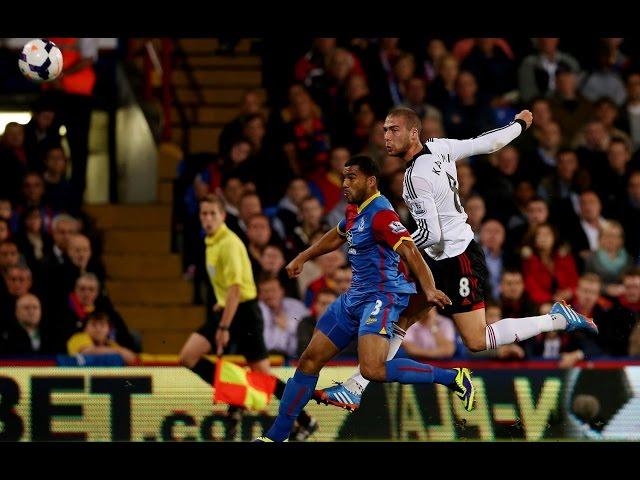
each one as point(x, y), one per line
point(239, 386)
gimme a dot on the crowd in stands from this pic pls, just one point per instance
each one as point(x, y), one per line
point(52, 295)
point(557, 212)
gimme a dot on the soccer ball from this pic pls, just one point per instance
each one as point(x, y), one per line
point(40, 60)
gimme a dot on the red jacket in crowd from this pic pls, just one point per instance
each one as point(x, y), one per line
point(541, 283)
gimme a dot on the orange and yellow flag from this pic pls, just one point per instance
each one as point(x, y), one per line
point(239, 386)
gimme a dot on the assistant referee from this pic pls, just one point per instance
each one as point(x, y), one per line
point(236, 314)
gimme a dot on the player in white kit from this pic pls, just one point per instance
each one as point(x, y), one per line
point(456, 260)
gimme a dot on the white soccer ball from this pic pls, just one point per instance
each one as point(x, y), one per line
point(40, 60)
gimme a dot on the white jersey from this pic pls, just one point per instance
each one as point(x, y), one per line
point(431, 190)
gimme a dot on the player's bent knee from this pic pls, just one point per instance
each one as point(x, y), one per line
point(475, 344)
point(309, 364)
point(188, 359)
point(373, 373)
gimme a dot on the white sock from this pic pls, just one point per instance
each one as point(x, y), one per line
point(356, 382)
point(511, 330)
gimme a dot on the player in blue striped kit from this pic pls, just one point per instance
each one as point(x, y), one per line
point(379, 292)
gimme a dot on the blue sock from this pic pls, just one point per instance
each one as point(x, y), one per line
point(297, 393)
point(404, 370)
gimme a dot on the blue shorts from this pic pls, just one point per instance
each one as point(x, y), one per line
point(362, 314)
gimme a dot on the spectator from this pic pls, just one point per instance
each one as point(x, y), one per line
point(494, 69)
point(582, 231)
point(281, 317)
point(527, 142)
point(433, 336)
point(259, 234)
point(544, 160)
point(307, 325)
point(415, 95)
point(75, 96)
point(610, 259)
point(307, 141)
point(28, 336)
point(337, 280)
point(549, 270)
point(235, 163)
point(13, 161)
point(364, 121)
point(436, 49)
point(232, 190)
point(442, 90)
point(631, 215)
point(396, 186)
point(319, 268)
point(378, 61)
point(592, 149)
point(604, 80)
point(5, 232)
point(272, 262)
point(288, 215)
point(32, 196)
point(630, 117)
point(476, 210)
point(9, 255)
point(515, 302)
point(252, 103)
point(84, 300)
point(558, 185)
point(34, 243)
point(537, 213)
point(17, 282)
point(499, 178)
point(40, 134)
point(630, 297)
point(614, 322)
point(376, 146)
point(81, 255)
point(614, 178)
point(329, 181)
point(59, 192)
point(492, 235)
point(249, 206)
point(467, 115)
point(403, 69)
point(95, 340)
point(606, 111)
point(311, 213)
point(63, 227)
point(466, 180)
point(568, 105)
point(537, 72)
point(432, 128)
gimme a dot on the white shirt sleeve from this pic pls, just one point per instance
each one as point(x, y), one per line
point(425, 214)
point(487, 142)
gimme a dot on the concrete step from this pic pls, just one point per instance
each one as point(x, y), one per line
point(201, 45)
point(143, 267)
point(195, 114)
point(165, 192)
point(217, 96)
point(130, 216)
point(201, 139)
point(218, 78)
point(223, 62)
point(169, 156)
point(138, 241)
point(158, 318)
point(164, 341)
point(147, 292)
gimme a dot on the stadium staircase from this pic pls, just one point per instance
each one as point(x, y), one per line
point(145, 278)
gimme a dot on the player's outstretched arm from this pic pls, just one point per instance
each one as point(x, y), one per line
point(411, 255)
point(329, 242)
point(490, 141)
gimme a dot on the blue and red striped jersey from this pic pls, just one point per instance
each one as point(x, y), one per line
point(374, 232)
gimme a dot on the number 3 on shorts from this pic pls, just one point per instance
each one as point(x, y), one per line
point(376, 308)
point(464, 287)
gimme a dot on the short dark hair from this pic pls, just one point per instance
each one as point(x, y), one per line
point(258, 215)
point(511, 271)
point(536, 198)
point(265, 277)
point(366, 164)
point(631, 272)
point(412, 118)
point(99, 316)
point(213, 198)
